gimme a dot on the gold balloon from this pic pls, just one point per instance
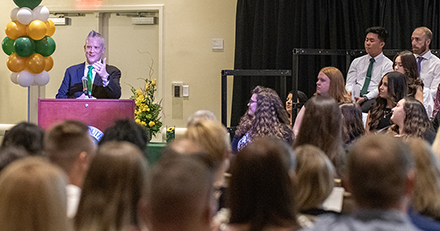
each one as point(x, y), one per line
point(37, 29)
point(16, 63)
point(48, 63)
point(50, 27)
point(15, 29)
point(35, 63)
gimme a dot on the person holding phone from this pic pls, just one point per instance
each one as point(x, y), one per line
point(93, 78)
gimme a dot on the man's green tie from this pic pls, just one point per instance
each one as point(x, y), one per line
point(89, 80)
point(364, 90)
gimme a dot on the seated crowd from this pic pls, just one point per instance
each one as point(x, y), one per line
point(333, 167)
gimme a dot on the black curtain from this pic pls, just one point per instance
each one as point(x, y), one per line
point(268, 30)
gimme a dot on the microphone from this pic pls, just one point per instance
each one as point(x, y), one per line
point(84, 82)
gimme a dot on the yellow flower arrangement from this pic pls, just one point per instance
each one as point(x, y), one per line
point(147, 112)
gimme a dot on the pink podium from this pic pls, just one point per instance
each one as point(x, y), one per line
point(99, 113)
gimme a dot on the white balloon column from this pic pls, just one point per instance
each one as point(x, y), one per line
point(29, 44)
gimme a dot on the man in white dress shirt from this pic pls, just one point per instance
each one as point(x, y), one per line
point(428, 64)
point(375, 64)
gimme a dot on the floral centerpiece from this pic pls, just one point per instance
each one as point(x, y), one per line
point(147, 112)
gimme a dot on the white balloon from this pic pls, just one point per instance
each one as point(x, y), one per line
point(41, 13)
point(14, 77)
point(14, 13)
point(42, 78)
point(25, 15)
point(25, 79)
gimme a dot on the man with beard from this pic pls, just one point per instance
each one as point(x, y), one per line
point(366, 71)
point(427, 63)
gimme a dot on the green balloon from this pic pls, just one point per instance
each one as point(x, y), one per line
point(45, 46)
point(8, 45)
point(24, 46)
point(27, 3)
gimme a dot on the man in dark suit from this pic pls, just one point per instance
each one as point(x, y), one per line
point(105, 78)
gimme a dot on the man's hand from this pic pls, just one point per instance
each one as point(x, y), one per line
point(101, 70)
point(84, 96)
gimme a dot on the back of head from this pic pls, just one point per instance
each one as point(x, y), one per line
point(337, 84)
point(315, 177)
point(33, 196)
point(378, 170)
point(201, 115)
point(212, 137)
point(261, 192)
point(11, 154)
point(26, 135)
point(126, 130)
point(426, 197)
point(321, 127)
point(180, 195)
point(381, 32)
point(112, 188)
point(352, 123)
point(65, 141)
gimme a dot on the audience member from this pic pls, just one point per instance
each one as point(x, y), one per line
point(261, 190)
point(330, 84)
point(11, 154)
point(33, 196)
point(392, 88)
point(410, 119)
point(352, 124)
point(127, 130)
point(427, 63)
point(301, 100)
point(381, 177)
point(201, 115)
point(213, 139)
point(266, 117)
point(26, 135)
point(405, 63)
point(112, 189)
point(69, 145)
point(180, 197)
point(321, 127)
point(366, 71)
point(424, 210)
point(315, 180)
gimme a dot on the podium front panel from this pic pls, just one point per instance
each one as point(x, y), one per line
point(99, 113)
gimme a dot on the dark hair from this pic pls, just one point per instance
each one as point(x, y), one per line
point(26, 135)
point(11, 154)
point(409, 65)
point(397, 90)
point(261, 191)
point(416, 120)
point(378, 167)
point(352, 124)
point(269, 119)
point(112, 188)
point(126, 130)
point(302, 97)
point(381, 32)
point(321, 127)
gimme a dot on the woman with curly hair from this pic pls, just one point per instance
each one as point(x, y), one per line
point(405, 63)
point(266, 116)
point(392, 88)
point(410, 119)
point(331, 84)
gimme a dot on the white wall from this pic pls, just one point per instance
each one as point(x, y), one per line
point(189, 26)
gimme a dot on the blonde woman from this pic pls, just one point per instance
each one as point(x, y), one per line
point(425, 201)
point(33, 196)
point(112, 188)
point(315, 180)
